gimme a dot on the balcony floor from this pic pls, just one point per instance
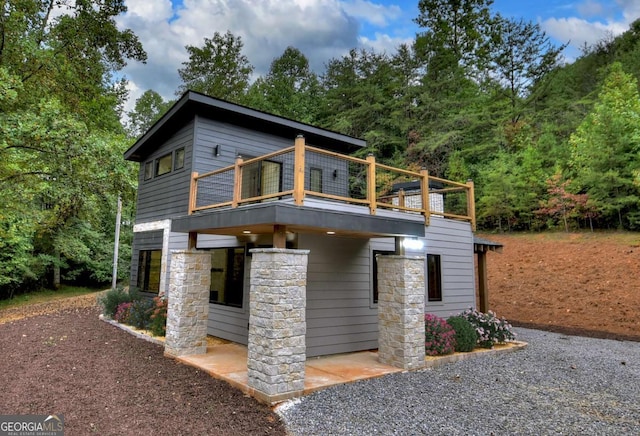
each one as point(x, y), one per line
point(314, 216)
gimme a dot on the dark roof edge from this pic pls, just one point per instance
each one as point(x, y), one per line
point(205, 100)
point(157, 125)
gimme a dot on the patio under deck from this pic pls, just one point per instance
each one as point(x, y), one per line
point(228, 361)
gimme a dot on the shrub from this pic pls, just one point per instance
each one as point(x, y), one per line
point(140, 313)
point(158, 324)
point(122, 313)
point(466, 335)
point(112, 299)
point(491, 329)
point(439, 337)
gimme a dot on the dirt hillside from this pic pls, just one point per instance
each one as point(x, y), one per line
point(586, 283)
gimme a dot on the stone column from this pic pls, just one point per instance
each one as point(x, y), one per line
point(277, 323)
point(401, 311)
point(188, 303)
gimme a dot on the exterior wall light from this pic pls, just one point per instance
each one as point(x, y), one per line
point(412, 244)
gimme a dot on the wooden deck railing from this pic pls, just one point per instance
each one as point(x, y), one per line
point(302, 171)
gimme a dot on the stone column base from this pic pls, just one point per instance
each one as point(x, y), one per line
point(188, 303)
point(277, 323)
point(401, 311)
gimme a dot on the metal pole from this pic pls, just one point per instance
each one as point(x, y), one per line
point(116, 245)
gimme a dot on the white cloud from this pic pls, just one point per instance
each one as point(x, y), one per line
point(613, 20)
point(376, 14)
point(384, 43)
point(590, 8)
point(321, 29)
point(578, 31)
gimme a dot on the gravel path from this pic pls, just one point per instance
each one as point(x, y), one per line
point(558, 385)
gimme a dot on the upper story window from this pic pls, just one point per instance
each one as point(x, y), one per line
point(148, 170)
point(315, 179)
point(164, 164)
point(179, 160)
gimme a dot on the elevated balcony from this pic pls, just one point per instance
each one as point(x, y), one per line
point(308, 189)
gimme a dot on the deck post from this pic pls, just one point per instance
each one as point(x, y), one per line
point(298, 174)
point(371, 183)
point(279, 236)
point(424, 191)
point(471, 203)
point(237, 182)
point(193, 192)
point(483, 292)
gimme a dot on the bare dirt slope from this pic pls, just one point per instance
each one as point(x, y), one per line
point(585, 283)
point(61, 359)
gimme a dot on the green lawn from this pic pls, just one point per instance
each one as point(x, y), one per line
point(46, 295)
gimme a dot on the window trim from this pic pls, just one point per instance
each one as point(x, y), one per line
point(434, 295)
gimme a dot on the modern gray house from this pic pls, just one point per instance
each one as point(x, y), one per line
point(234, 184)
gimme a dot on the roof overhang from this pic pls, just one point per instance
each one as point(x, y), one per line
point(260, 219)
point(193, 104)
point(481, 245)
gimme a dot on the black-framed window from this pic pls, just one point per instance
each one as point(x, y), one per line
point(315, 179)
point(179, 159)
point(227, 276)
point(374, 271)
point(261, 178)
point(434, 277)
point(148, 170)
point(149, 264)
point(164, 164)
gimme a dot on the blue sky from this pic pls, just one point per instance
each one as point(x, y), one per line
point(325, 29)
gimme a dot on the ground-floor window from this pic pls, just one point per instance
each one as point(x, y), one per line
point(375, 271)
point(227, 276)
point(434, 277)
point(149, 263)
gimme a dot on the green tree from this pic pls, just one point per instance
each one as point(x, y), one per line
point(149, 107)
point(218, 68)
point(521, 56)
point(290, 88)
point(358, 89)
point(606, 150)
point(61, 139)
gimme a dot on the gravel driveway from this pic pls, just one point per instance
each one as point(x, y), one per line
point(559, 384)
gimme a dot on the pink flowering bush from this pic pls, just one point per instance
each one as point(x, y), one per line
point(439, 336)
point(491, 329)
point(122, 313)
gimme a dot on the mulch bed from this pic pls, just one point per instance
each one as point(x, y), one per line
point(105, 381)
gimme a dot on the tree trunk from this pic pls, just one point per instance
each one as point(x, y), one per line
point(56, 272)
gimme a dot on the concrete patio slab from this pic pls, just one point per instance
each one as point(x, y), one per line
point(228, 362)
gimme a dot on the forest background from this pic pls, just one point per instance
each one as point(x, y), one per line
point(476, 96)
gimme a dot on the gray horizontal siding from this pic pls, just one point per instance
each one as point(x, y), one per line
point(167, 195)
point(340, 316)
point(234, 140)
point(453, 240)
